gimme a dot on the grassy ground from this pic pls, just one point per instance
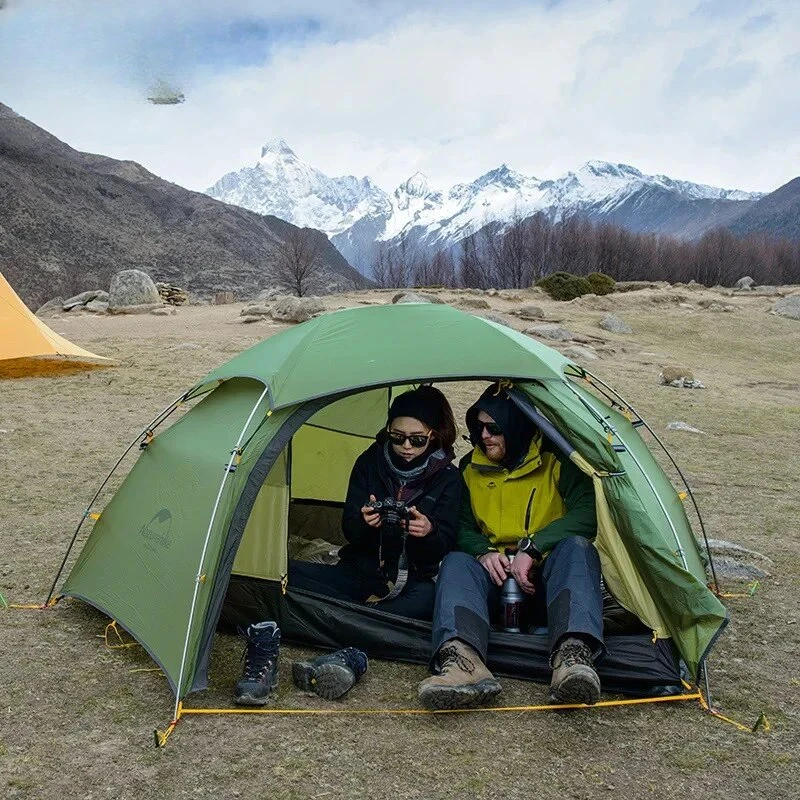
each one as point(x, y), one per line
point(76, 717)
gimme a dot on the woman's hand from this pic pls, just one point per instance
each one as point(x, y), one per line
point(419, 525)
point(370, 515)
point(496, 564)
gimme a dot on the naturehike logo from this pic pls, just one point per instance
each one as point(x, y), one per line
point(157, 530)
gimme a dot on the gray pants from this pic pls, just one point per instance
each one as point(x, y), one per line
point(570, 578)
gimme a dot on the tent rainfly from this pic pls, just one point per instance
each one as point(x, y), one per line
point(28, 347)
point(199, 530)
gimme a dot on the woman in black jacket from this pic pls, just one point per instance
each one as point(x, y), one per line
point(393, 551)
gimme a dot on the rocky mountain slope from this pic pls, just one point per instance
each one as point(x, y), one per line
point(69, 220)
point(358, 215)
point(777, 213)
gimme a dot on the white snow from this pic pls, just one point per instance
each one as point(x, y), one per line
point(284, 185)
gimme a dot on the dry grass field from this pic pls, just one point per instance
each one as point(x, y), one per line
point(76, 718)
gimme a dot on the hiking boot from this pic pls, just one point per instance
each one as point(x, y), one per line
point(260, 664)
point(463, 680)
point(331, 675)
point(574, 677)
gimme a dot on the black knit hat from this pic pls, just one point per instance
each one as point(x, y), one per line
point(423, 404)
point(515, 425)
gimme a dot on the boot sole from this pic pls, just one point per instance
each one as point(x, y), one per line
point(446, 698)
point(581, 686)
point(329, 681)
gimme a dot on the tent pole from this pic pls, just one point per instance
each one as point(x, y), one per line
point(157, 420)
point(677, 469)
point(235, 452)
point(644, 475)
point(709, 698)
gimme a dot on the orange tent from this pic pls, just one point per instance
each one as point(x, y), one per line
point(29, 347)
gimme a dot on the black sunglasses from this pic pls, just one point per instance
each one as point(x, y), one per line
point(416, 439)
point(492, 427)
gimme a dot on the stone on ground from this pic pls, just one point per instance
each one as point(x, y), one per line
point(130, 288)
point(613, 324)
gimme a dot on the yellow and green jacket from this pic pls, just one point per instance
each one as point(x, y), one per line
point(546, 497)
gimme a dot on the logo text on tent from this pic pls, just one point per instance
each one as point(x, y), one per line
point(157, 530)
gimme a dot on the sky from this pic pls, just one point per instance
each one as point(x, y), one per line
point(702, 90)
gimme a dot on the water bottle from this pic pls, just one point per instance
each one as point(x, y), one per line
point(512, 598)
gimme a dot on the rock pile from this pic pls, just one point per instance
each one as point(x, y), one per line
point(679, 377)
point(172, 295)
point(95, 301)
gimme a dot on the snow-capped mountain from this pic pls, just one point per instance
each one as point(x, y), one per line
point(357, 214)
point(284, 186)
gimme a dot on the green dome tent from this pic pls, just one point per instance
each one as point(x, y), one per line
point(199, 527)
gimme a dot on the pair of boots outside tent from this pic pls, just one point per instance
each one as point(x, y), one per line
point(329, 676)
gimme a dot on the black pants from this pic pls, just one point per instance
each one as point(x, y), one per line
point(344, 582)
point(570, 576)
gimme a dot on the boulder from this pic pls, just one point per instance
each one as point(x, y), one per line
point(496, 318)
point(550, 331)
point(131, 288)
point(530, 312)
point(80, 299)
point(788, 307)
point(257, 310)
point(223, 298)
point(673, 372)
point(164, 311)
point(417, 297)
point(581, 352)
point(268, 294)
point(51, 307)
point(96, 306)
point(473, 302)
point(296, 309)
point(745, 283)
point(767, 291)
point(251, 318)
point(614, 324)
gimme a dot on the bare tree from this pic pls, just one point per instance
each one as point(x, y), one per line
point(299, 264)
point(474, 268)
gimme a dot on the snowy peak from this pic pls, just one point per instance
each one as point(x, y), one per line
point(283, 185)
point(359, 214)
point(277, 148)
point(416, 186)
point(599, 169)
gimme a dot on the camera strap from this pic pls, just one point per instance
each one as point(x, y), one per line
point(402, 575)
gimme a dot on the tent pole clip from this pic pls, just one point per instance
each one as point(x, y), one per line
point(148, 437)
point(236, 457)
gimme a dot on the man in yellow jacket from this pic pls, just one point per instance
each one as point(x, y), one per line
point(522, 494)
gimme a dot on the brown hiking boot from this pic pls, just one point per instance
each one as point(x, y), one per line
point(574, 677)
point(463, 680)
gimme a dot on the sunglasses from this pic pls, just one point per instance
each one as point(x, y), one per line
point(415, 439)
point(492, 428)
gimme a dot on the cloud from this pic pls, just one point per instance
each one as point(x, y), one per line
point(697, 90)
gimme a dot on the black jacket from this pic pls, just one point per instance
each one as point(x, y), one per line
point(437, 496)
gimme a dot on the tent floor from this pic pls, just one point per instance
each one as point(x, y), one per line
point(633, 663)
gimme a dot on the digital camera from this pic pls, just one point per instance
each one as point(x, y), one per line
point(393, 512)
